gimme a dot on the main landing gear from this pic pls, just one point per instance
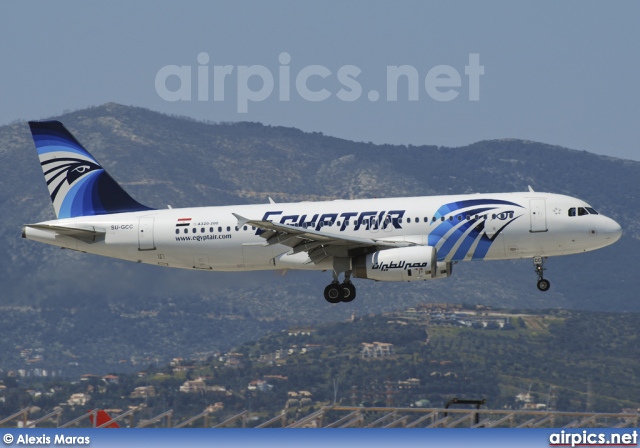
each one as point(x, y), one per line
point(338, 292)
point(543, 284)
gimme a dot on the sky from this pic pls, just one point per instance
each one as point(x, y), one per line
point(436, 73)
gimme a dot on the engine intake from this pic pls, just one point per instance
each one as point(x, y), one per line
point(405, 264)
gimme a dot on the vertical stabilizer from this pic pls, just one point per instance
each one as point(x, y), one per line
point(78, 185)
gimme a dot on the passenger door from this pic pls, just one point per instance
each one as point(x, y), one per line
point(538, 215)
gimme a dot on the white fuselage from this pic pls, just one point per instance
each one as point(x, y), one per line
point(461, 228)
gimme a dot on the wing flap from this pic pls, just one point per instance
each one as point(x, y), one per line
point(313, 241)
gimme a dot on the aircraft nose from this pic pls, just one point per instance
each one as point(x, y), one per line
point(611, 230)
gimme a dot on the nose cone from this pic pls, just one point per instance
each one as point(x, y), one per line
point(611, 230)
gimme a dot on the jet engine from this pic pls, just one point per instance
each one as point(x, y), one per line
point(405, 264)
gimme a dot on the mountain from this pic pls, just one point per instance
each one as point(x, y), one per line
point(166, 160)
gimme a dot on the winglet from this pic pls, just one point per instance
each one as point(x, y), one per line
point(530, 189)
point(241, 219)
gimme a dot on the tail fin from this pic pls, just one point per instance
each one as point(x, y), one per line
point(78, 185)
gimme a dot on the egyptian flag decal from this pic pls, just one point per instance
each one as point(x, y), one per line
point(183, 222)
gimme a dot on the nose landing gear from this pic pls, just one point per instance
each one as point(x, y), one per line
point(543, 284)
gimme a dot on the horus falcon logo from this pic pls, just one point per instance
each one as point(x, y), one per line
point(59, 171)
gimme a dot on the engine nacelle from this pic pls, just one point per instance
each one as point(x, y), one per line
point(405, 264)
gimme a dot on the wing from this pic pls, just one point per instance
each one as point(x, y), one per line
point(319, 244)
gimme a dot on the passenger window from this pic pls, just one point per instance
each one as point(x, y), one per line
point(219, 229)
point(582, 211)
point(245, 227)
point(177, 231)
point(459, 217)
point(468, 217)
point(236, 228)
point(426, 219)
point(408, 220)
point(186, 230)
point(195, 230)
point(450, 218)
point(417, 220)
point(572, 211)
point(442, 219)
point(228, 229)
point(210, 229)
point(202, 230)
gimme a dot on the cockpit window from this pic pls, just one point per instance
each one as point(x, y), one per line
point(582, 211)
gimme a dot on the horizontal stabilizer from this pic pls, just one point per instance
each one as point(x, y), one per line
point(87, 234)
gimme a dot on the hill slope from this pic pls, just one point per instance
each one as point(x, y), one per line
point(164, 160)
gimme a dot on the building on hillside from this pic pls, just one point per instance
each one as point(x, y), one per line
point(260, 385)
point(143, 392)
point(78, 399)
point(110, 379)
point(88, 376)
point(411, 383)
point(218, 390)
point(219, 406)
point(275, 377)
point(376, 350)
point(192, 387)
point(311, 348)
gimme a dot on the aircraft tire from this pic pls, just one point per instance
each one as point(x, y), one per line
point(349, 292)
point(543, 285)
point(333, 293)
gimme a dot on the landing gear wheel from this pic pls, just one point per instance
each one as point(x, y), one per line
point(333, 293)
point(538, 263)
point(349, 292)
point(543, 285)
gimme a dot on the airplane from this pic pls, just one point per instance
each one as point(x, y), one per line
point(393, 239)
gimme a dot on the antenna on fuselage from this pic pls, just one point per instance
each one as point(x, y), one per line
point(530, 189)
